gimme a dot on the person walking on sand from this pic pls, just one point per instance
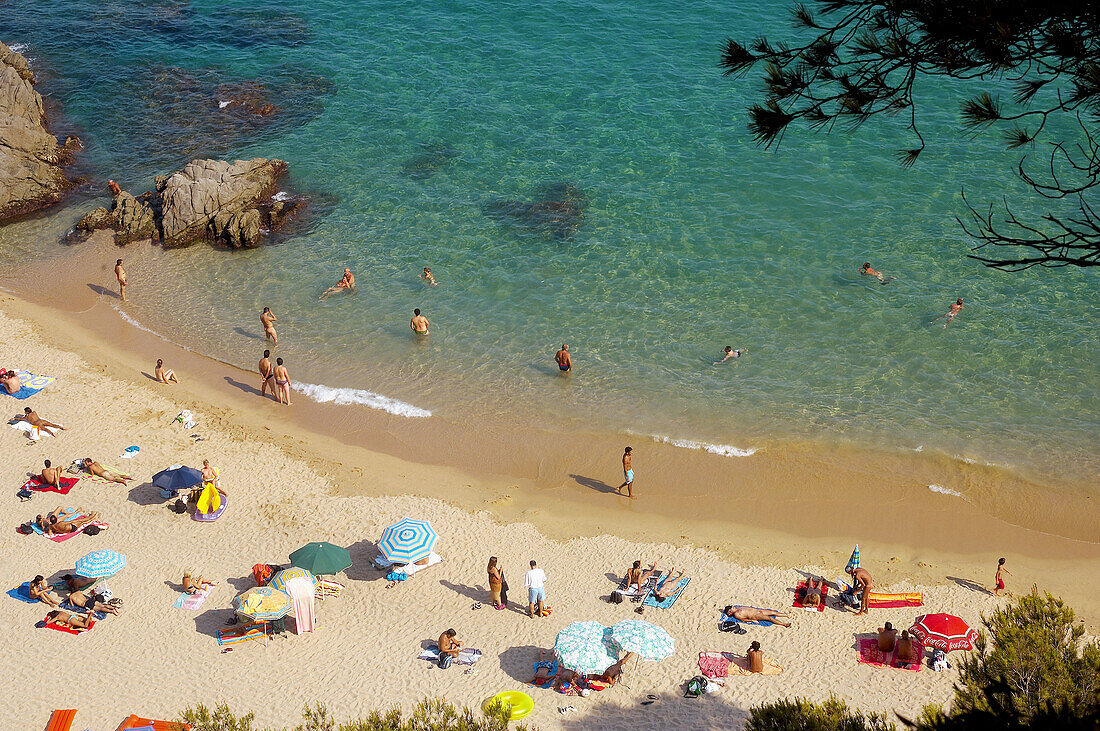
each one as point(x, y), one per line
point(868, 271)
point(267, 317)
point(535, 581)
point(120, 273)
point(730, 353)
point(282, 381)
point(164, 375)
point(346, 283)
point(428, 278)
point(31, 417)
point(419, 323)
point(999, 578)
point(628, 474)
point(266, 371)
point(951, 312)
point(564, 361)
point(496, 583)
point(863, 583)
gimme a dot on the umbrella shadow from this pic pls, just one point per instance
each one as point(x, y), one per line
point(970, 584)
point(362, 562)
point(243, 583)
point(518, 662)
point(146, 494)
point(210, 621)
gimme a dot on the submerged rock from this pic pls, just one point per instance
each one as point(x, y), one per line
point(558, 210)
point(131, 218)
point(434, 158)
point(31, 160)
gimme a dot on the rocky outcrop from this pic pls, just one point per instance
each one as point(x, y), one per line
point(558, 210)
point(31, 159)
point(232, 204)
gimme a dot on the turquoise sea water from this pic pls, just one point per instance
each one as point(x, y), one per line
point(407, 121)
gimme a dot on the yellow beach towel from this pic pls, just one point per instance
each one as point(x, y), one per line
point(209, 499)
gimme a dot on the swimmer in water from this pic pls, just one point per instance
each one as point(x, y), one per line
point(428, 278)
point(419, 323)
point(565, 363)
point(347, 283)
point(951, 312)
point(731, 353)
point(868, 271)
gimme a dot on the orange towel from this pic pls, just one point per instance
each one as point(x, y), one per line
point(878, 600)
point(61, 720)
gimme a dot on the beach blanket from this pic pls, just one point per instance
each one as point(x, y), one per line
point(467, 656)
point(740, 666)
point(879, 600)
point(66, 536)
point(66, 628)
point(411, 568)
point(731, 618)
point(651, 599)
point(329, 589)
point(237, 635)
point(869, 654)
point(637, 595)
point(31, 384)
point(36, 483)
point(32, 431)
point(22, 593)
point(192, 601)
point(714, 664)
point(800, 591)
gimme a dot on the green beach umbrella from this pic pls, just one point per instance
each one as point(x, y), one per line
point(321, 558)
point(586, 647)
point(647, 641)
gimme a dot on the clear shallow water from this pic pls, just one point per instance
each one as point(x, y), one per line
point(416, 118)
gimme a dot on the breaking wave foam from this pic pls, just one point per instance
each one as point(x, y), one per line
point(347, 396)
point(722, 450)
point(139, 326)
point(944, 490)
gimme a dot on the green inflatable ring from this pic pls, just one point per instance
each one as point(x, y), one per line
point(519, 704)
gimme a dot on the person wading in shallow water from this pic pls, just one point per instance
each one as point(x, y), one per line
point(628, 474)
point(267, 318)
point(564, 361)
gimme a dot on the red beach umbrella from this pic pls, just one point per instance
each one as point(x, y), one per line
point(944, 631)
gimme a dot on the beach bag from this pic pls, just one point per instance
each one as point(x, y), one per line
point(729, 626)
point(179, 507)
point(92, 530)
point(695, 687)
point(616, 597)
point(26, 529)
point(25, 494)
point(503, 589)
point(445, 661)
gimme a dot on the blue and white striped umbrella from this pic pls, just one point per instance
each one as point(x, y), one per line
point(280, 579)
point(647, 641)
point(100, 564)
point(407, 541)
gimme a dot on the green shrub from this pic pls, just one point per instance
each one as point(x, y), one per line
point(803, 715)
point(220, 719)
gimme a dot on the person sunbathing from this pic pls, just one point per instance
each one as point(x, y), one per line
point(755, 657)
point(40, 590)
point(636, 578)
point(194, 584)
point(69, 619)
point(904, 649)
point(812, 592)
point(95, 468)
point(76, 583)
point(11, 381)
point(544, 669)
point(90, 600)
point(752, 614)
point(887, 637)
point(670, 585)
point(164, 375)
point(56, 526)
point(31, 416)
point(613, 672)
point(50, 475)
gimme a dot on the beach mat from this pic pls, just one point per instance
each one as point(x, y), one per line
point(192, 601)
point(878, 600)
point(237, 635)
point(761, 623)
point(869, 654)
point(651, 598)
point(30, 385)
point(68, 630)
point(67, 484)
point(714, 664)
point(22, 593)
point(467, 656)
point(801, 587)
point(66, 514)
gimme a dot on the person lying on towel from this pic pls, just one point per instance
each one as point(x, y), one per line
point(671, 584)
point(752, 614)
point(68, 619)
point(811, 594)
point(612, 674)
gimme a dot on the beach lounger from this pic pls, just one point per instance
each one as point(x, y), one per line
point(411, 568)
point(651, 598)
point(801, 588)
point(329, 589)
point(134, 723)
point(67, 483)
point(869, 654)
point(61, 720)
point(467, 656)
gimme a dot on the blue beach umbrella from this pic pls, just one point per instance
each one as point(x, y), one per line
point(853, 562)
point(100, 564)
point(179, 478)
point(407, 541)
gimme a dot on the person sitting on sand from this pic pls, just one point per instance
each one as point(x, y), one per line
point(95, 468)
point(50, 475)
point(867, 271)
point(40, 590)
point(91, 600)
point(887, 638)
point(904, 649)
point(731, 353)
point(11, 381)
point(192, 584)
point(346, 283)
point(56, 526)
point(863, 583)
point(448, 645)
point(752, 614)
point(164, 375)
point(69, 619)
point(670, 585)
point(76, 583)
point(31, 416)
point(428, 278)
point(613, 672)
point(755, 657)
point(811, 594)
point(636, 578)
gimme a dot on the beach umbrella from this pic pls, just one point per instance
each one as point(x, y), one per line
point(944, 631)
point(647, 641)
point(321, 558)
point(853, 562)
point(407, 541)
point(586, 647)
point(177, 478)
point(100, 564)
point(279, 580)
point(263, 604)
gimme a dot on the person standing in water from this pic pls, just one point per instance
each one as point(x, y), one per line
point(565, 363)
point(120, 274)
point(730, 353)
point(868, 271)
point(419, 323)
point(428, 278)
point(267, 317)
point(628, 474)
point(347, 282)
point(265, 375)
point(282, 381)
point(951, 312)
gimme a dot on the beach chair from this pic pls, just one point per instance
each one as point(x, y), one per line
point(61, 720)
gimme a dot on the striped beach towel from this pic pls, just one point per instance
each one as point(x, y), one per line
point(328, 589)
point(714, 664)
point(30, 384)
point(237, 635)
point(879, 600)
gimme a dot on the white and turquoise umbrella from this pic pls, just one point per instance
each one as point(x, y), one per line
point(100, 564)
point(407, 541)
point(586, 647)
point(647, 641)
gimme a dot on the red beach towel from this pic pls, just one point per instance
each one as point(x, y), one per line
point(70, 630)
point(801, 586)
point(714, 664)
point(36, 484)
point(869, 654)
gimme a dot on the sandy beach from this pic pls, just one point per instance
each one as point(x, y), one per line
point(288, 487)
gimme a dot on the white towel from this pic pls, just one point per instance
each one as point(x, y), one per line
point(302, 594)
point(32, 431)
point(411, 568)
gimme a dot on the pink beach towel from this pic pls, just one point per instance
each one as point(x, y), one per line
point(67, 536)
point(869, 654)
point(714, 664)
point(302, 594)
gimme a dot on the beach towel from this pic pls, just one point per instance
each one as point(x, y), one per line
point(36, 483)
point(467, 656)
point(651, 598)
point(102, 480)
point(68, 606)
point(800, 590)
point(869, 654)
point(740, 666)
point(22, 593)
point(192, 601)
point(302, 593)
point(879, 600)
point(237, 635)
point(65, 628)
point(209, 499)
point(329, 589)
point(66, 536)
point(731, 618)
point(204, 517)
point(31, 384)
point(66, 514)
point(32, 431)
point(411, 568)
point(552, 666)
point(714, 664)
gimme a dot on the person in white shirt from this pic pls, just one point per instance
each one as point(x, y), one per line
point(535, 581)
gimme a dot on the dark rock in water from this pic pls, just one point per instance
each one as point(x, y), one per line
point(245, 97)
point(434, 158)
point(558, 210)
